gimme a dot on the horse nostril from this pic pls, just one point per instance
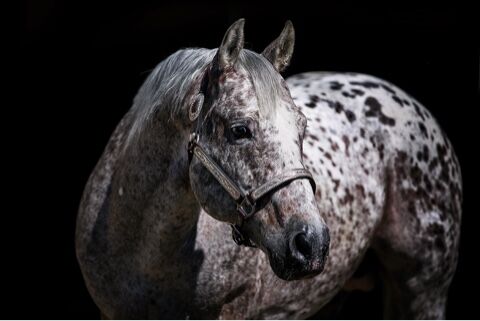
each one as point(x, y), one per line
point(303, 245)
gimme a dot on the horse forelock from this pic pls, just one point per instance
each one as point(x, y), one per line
point(267, 82)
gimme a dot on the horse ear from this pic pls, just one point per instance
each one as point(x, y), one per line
point(280, 51)
point(231, 46)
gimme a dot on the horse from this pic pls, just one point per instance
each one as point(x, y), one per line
point(306, 174)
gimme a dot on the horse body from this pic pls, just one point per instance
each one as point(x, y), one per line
point(382, 168)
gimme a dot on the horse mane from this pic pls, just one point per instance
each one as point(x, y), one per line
point(169, 83)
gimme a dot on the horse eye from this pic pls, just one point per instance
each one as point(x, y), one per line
point(240, 132)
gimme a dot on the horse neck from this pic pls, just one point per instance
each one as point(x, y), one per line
point(153, 207)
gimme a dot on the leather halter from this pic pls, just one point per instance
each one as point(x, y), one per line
point(246, 201)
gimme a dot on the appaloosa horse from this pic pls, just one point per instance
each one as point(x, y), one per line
point(313, 171)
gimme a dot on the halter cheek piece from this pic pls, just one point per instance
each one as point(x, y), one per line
point(246, 201)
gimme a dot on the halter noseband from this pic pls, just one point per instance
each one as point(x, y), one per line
point(246, 201)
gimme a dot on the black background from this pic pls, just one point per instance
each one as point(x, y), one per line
point(78, 66)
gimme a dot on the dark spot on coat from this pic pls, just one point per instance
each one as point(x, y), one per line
point(433, 164)
point(334, 146)
point(426, 155)
point(373, 141)
point(350, 116)
point(346, 141)
point(387, 88)
point(338, 107)
point(347, 94)
point(419, 156)
point(372, 197)
point(397, 100)
point(336, 183)
point(365, 152)
point(381, 150)
point(362, 132)
point(418, 111)
point(375, 110)
point(423, 129)
point(348, 198)
point(358, 92)
point(441, 151)
point(360, 190)
point(335, 85)
point(366, 84)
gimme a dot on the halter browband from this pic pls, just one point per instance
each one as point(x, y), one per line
point(247, 202)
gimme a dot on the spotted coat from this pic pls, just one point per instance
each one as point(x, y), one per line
point(387, 179)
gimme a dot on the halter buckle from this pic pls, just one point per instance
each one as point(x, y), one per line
point(246, 208)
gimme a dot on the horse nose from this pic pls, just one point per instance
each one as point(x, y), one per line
point(309, 246)
point(301, 245)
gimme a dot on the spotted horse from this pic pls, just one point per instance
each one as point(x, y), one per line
point(309, 173)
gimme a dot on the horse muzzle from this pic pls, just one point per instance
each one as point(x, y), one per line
point(303, 254)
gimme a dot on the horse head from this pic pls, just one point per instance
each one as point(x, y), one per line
point(251, 134)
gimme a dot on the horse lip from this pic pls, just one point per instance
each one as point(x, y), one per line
point(299, 275)
point(277, 263)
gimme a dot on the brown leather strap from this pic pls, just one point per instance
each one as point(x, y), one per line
point(218, 173)
point(246, 201)
point(280, 180)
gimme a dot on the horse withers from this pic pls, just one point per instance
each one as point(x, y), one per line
point(308, 173)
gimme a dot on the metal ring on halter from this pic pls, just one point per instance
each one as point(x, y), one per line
point(196, 108)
